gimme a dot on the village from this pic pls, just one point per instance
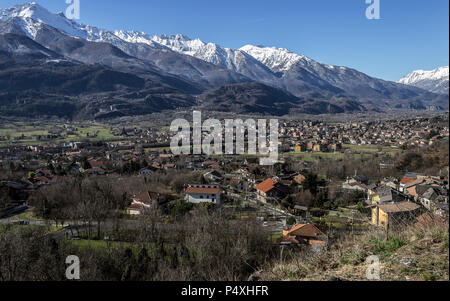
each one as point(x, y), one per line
point(295, 200)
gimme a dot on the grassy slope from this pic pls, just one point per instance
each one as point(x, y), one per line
point(427, 249)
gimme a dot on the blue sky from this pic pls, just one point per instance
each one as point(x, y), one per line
point(411, 34)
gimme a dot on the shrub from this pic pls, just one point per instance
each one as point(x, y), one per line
point(386, 247)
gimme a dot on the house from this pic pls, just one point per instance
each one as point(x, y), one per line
point(428, 219)
point(299, 179)
point(352, 184)
point(213, 176)
point(412, 179)
point(203, 194)
point(301, 211)
point(143, 202)
point(304, 234)
point(386, 194)
point(271, 190)
point(336, 147)
point(371, 190)
point(430, 195)
point(408, 186)
point(95, 171)
point(99, 164)
point(240, 184)
point(42, 180)
point(395, 214)
point(318, 148)
point(390, 182)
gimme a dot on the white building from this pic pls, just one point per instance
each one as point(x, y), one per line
point(203, 194)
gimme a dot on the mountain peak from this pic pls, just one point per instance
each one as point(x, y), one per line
point(26, 10)
point(436, 80)
point(178, 37)
point(277, 59)
point(33, 15)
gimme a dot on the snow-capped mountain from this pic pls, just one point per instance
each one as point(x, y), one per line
point(32, 16)
point(277, 59)
point(436, 80)
point(236, 60)
point(31, 19)
point(191, 66)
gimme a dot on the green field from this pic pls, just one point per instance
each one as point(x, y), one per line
point(26, 134)
point(372, 149)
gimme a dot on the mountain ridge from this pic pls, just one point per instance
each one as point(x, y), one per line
point(191, 71)
point(436, 80)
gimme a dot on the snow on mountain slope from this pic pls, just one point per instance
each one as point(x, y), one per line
point(236, 60)
point(277, 59)
point(436, 80)
point(33, 15)
point(255, 62)
point(213, 66)
point(31, 18)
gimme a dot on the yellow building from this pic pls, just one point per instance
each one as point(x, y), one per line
point(387, 215)
point(317, 148)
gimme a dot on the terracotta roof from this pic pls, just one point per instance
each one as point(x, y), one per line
point(94, 170)
point(45, 172)
point(97, 163)
point(362, 185)
point(267, 185)
point(147, 197)
point(399, 207)
point(203, 189)
point(427, 219)
point(42, 179)
point(407, 180)
point(299, 178)
point(304, 230)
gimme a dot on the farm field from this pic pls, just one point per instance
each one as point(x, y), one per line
point(20, 133)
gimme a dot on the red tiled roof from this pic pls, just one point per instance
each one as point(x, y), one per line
point(97, 163)
point(428, 219)
point(299, 178)
point(144, 197)
point(407, 180)
point(266, 186)
point(362, 185)
point(45, 172)
point(42, 179)
point(303, 230)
